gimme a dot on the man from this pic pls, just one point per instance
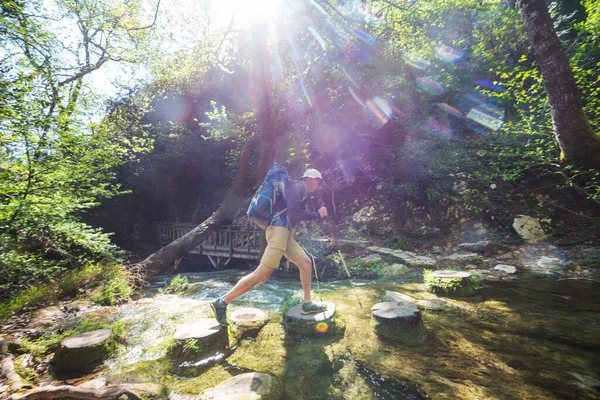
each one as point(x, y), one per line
point(280, 242)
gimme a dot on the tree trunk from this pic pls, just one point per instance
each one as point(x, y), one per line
point(162, 260)
point(578, 143)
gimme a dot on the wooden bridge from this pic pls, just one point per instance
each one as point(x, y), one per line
point(225, 243)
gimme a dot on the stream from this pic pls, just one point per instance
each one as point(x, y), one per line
point(527, 338)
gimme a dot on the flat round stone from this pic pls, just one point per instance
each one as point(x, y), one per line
point(202, 328)
point(451, 274)
point(296, 313)
point(87, 339)
point(248, 315)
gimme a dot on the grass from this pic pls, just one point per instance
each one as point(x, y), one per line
point(112, 283)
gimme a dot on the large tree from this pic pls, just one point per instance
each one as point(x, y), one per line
point(579, 144)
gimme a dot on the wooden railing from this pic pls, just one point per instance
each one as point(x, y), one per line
point(223, 242)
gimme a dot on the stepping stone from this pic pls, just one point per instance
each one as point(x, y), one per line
point(399, 321)
point(81, 352)
point(248, 321)
point(312, 324)
point(199, 337)
point(450, 282)
point(251, 385)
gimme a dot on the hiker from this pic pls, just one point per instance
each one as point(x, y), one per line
point(280, 241)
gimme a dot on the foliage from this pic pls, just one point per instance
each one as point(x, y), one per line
point(176, 284)
point(54, 163)
point(116, 287)
point(27, 299)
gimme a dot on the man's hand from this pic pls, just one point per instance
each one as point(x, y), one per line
point(322, 212)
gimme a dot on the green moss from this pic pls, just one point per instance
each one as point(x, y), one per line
point(176, 285)
point(44, 344)
point(26, 373)
point(331, 327)
point(451, 286)
point(363, 267)
point(28, 299)
point(400, 333)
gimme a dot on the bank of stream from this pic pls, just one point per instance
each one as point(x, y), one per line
point(529, 338)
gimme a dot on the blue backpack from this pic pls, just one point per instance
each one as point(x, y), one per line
point(263, 207)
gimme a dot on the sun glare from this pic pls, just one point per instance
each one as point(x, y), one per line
point(246, 11)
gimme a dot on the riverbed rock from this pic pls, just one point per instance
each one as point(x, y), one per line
point(199, 337)
point(249, 386)
point(399, 321)
point(544, 259)
point(461, 259)
point(393, 270)
point(505, 269)
point(406, 257)
point(429, 305)
point(80, 352)
point(483, 247)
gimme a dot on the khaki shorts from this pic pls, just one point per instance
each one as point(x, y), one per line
point(278, 246)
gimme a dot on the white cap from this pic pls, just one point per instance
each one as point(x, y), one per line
point(312, 173)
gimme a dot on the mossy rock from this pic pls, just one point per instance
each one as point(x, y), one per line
point(82, 352)
point(399, 321)
point(199, 338)
point(253, 385)
point(324, 323)
point(451, 282)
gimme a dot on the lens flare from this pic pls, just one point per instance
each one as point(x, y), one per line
point(322, 327)
point(415, 61)
point(449, 54)
point(317, 37)
point(430, 86)
point(448, 109)
point(357, 52)
point(378, 111)
point(487, 115)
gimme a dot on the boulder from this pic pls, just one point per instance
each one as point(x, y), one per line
point(81, 352)
point(530, 229)
point(399, 321)
point(248, 386)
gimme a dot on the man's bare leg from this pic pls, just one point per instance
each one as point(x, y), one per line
point(305, 266)
point(259, 275)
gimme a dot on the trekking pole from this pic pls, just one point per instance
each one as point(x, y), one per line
point(347, 272)
point(314, 262)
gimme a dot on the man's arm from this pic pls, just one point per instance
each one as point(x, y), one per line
point(295, 209)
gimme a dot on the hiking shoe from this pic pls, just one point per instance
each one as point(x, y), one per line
point(312, 308)
point(220, 312)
